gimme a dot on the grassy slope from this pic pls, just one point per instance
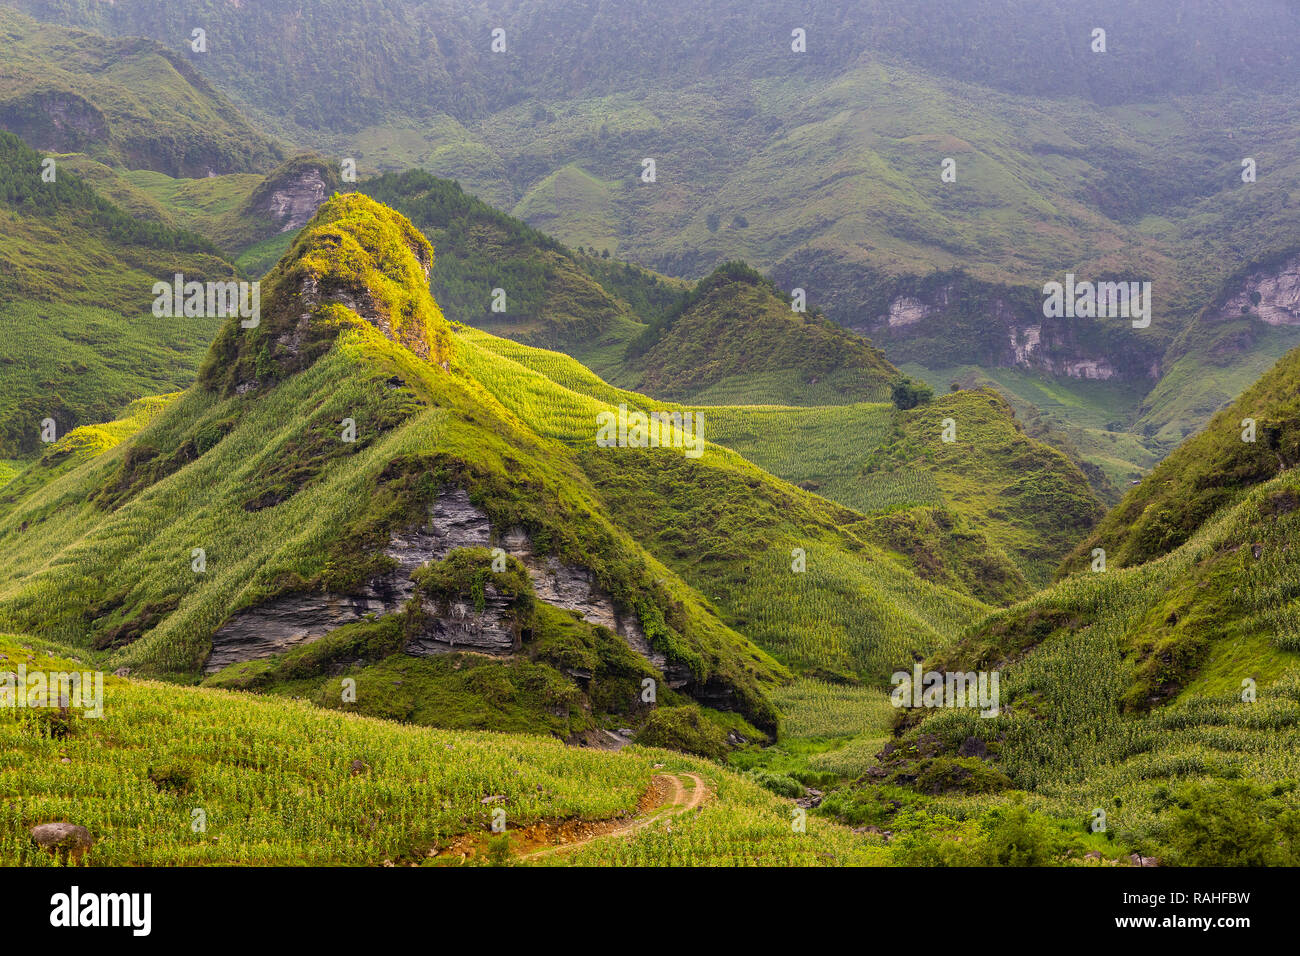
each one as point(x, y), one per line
point(77, 338)
point(1208, 472)
point(201, 474)
point(553, 297)
point(1027, 497)
point(134, 778)
point(184, 482)
point(1119, 689)
point(854, 132)
point(1123, 684)
point(730, 340)
point(729, 528)
point(736, 335)
point(230, 210)
point(146, 107)
point(958, 514)
point(1087, 420)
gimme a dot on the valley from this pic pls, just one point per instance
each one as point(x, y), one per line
point(428, 488)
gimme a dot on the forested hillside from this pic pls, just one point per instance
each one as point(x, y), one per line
point(77, 338)
point(1123, 164)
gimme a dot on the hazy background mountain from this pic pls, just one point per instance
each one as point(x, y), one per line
point(822, 169)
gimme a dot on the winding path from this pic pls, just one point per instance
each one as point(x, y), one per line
point(681, 800)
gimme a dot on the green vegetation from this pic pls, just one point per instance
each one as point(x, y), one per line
point(1234, 823)
point(354, 249)
point(735, 325)
point(1118, 686)
point(552, 298)
point(947, 523)
point(77, 340)
point(1064, 166)
point(1027, 498)
point(908, 394)
point(352, 790)
point(1213, 470)
point(261, 480)
point(125, 102)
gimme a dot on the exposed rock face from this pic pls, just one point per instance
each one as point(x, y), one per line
point(312, 294)
point(285, 622)
point(1017, 336)
point(1087, 368)
point(462, 627)
point(906, 311)
point(573, 588)
point(294, 202)
point(454, 522)
point(1271, 295)
point(1024, 342)
point(59, 122)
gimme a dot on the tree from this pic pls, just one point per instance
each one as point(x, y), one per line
point(909, 394)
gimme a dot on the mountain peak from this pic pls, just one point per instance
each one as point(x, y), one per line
point(356, 261)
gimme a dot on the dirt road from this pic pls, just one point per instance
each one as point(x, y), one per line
point(681, 799)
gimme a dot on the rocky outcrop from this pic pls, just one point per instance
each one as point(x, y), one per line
point(454, 522)
point(491, 629)
point(906, 310)
point(58, 122)
point(993, 325)
point(286, 622)
point(1270, 294)
point(293, 201)
point(574, 589)
point(63, 840)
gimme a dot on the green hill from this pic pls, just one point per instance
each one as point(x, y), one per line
point(250, 216)
point(1159, 691)
point(1207, 473)
point(731, 338)
point(348, 331)
point(77, 337)
point(550, 296)
point(734, 339)
point(1118, 165)
point(682, 567)
point(1146, 689)
point(126, 102)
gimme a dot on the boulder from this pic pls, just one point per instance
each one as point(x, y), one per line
point(62, 839)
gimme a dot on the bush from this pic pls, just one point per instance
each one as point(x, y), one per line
point(172, 778)
point(1234, 823)
point(686, 729)
point(1010, 836)
point(498, 851)
point(960, 775)
point(1017, 837)
point(778, 783)
point(909, 394)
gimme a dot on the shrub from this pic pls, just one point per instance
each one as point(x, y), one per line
point(778, 783)
point(909, 394)
point(686, 729)
point(1234, 823)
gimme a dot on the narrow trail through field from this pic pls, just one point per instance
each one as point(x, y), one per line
point(681, 799)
